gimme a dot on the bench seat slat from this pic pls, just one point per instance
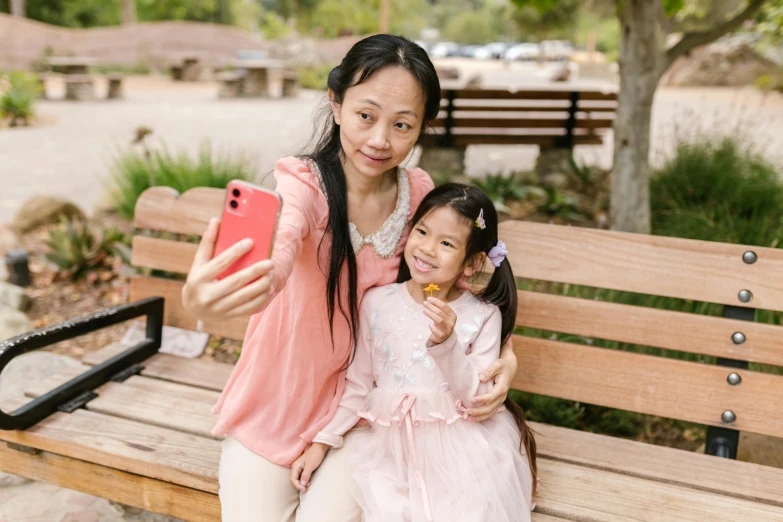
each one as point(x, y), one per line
point(687, 269)
point(646, 384)
point(694, 470)
point(120, 486)
point(585, 494)
point(200, 373)
point(680, 331)
point(130, 446)
point(149, 401)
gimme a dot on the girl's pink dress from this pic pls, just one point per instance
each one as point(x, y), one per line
point(422, 461)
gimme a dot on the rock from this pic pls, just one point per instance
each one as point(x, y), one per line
point(8, 481)
point(731, 62)
point(43, 210)
point(3, 272)
point(134, 514)
point(8, 241)
point(13, 323)
point(760, 449)
point(551, 164)
point(441, 162)
point(555, 180)
point(20, 373)
point(14, 297)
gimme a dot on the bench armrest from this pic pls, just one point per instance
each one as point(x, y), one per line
point(58, 399)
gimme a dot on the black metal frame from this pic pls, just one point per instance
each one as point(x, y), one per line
point(446, 140)
point(79, 390)
point(723, 442)
point(567, 141)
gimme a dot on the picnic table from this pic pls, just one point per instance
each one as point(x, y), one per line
point(71, 64)
point(258, 74)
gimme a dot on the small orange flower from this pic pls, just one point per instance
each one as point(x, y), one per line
point(432, 288)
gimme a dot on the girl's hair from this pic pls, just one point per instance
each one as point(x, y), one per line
point(468, 202)
point(364, 59)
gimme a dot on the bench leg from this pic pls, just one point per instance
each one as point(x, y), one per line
point(552, 166)
point(439, 162)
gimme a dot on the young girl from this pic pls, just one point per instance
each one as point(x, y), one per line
point(422, 344)
point(346, 208)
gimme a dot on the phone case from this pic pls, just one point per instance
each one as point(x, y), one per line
point(248, 212)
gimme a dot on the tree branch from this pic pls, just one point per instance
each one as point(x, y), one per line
point(695, 39)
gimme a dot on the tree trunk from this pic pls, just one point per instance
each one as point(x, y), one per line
point(18, 8)
point(642, 61)
point(128, 13)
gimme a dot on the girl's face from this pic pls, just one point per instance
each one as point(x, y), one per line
point(380, 121)
point(436, 248)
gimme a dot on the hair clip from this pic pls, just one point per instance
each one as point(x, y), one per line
point(480, 220)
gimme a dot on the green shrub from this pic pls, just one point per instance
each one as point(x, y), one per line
point(77, 251)
point(17, 103)
point(138, 68)
point(134, 172)
point(501, 188)
point(315, 77)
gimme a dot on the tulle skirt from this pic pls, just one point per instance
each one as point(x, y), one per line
point(422, 461)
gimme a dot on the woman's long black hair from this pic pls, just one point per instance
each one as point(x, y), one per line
point(469, 202)
point(364, 59)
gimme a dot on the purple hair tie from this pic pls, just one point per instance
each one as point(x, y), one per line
point(498, 253)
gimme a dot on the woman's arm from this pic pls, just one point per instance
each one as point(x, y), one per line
point(249, 291)
point(499, 375)
point(461, 366)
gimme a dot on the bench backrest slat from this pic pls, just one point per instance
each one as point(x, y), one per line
point(651, 385)
point(529, 94)
point(575, 364)
point(665, 266)
point(163, 208)
point(175, 314)
point(666, 329)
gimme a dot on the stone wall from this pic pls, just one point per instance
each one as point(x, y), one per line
point(23, 41)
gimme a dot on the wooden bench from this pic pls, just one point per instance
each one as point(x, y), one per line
point(556, 119)
point(146, 441)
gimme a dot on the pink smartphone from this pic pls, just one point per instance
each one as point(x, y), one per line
point(248, 212)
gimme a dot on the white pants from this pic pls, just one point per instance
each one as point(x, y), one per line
point(252, 489)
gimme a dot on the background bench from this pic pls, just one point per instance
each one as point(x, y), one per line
point(146, 441)
point(552, 118)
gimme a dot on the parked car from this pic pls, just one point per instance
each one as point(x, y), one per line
point(477, 52)
point(498, 49)
point(444, 49)
point(556, 49)
point(524, 51)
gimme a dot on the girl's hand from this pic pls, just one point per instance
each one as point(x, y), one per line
point(242, 294)
point(502, 372)
point(303, 468)
point(443, 319)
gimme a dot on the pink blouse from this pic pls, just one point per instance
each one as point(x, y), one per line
point(289, 379)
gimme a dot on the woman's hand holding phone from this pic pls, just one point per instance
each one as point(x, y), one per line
point(243, 293)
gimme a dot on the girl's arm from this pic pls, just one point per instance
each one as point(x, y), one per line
point(358, 383)
point(462, 365)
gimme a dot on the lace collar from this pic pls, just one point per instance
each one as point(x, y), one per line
point(386, 239)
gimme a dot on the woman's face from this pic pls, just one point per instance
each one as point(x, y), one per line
point(380, 121)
